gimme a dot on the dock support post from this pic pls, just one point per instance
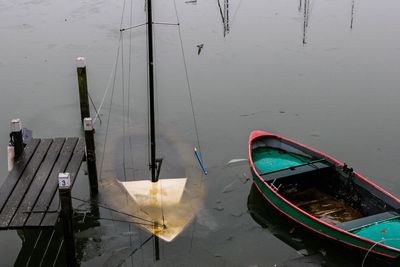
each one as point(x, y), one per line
point(64, 188)
point(83, 89)
point(16, 137)
point(91, 155)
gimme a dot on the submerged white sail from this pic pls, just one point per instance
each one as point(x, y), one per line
point(164, 192)
point(161, 201)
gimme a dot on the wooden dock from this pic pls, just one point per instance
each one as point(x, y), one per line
point(28, 196)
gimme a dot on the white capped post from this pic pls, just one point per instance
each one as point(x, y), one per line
point(16, 125)
point(64, 180)
point(16, 137)
point(80, 62)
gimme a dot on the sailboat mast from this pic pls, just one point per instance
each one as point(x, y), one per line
point(153, 165)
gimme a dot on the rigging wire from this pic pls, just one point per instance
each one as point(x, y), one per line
point(110, 107)
point(115, 220)
point(128, 117)
point(187, 80)
point(132, 27)
point(141, 245)
point(192, 107)
point(111, 75)
point(94, 106)
point(110, 79)
point(114, 210)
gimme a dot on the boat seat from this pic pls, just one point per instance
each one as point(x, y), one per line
point(357, 223)
point(300, 169)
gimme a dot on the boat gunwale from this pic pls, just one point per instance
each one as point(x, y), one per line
point(258, 134)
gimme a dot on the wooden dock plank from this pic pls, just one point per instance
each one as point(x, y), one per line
point(51, 185)
point(19, 167)
point(23, 184)
point(37, 184)
point(74, 165)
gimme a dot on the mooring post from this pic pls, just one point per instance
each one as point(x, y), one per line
point(16, 137)
point(156, 248)
point(90, 155)
point(83, 89)
point(64, 189)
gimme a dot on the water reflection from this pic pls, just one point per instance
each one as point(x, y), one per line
point(45, 247)
point(352, 14)
point(224, 11)
point(314, 250)
point(305, 4)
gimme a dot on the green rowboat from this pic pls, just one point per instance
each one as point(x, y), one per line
point(324, 195)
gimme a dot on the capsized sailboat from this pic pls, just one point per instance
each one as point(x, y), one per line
point(157, 195)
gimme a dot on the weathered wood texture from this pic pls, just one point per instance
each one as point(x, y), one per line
point(29, 191)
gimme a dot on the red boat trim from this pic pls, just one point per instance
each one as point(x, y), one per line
point(257, 134)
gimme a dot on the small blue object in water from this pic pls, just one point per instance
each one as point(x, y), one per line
point(196, 153)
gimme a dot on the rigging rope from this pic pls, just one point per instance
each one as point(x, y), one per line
point(374, 245)
point(187, 80)
point(141, 245)
point(192, 106)
point(94, 106)
point(110, 79)
point(109, 112)
point(114, 210)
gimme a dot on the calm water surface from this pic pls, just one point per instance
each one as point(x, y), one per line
point(326, 75)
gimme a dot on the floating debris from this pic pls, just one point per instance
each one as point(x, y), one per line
point(199, 48)
point(235, 161)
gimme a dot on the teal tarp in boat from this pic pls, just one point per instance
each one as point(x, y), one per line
point(267, 159)
point(385, 232)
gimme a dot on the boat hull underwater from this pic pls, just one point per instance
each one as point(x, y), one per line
point(324, 195)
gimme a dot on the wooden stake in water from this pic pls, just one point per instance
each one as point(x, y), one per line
point(90, 155)
point(83, 89)
point(16, 137)
point(64, 189)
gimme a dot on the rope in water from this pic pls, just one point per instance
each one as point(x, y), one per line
point(375, 244)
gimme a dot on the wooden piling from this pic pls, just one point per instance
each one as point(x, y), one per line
point(16, 137)
point(156, 248)
point(91, 155)
point(64, 188)
point(83, 89)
